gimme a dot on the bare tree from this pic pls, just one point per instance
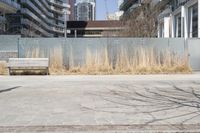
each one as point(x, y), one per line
point(142, 21)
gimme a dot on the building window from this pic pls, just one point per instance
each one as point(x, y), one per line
point(161, 29)
point(178, 25)
point(193, 21)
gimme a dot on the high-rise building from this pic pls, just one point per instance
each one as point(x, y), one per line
point(7, 7)
point(39, 18)
point(72, 10)
point(128, 6)
point(85, 10)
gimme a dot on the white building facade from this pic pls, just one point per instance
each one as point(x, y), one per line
point(180, 19)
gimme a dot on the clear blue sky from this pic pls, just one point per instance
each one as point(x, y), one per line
point(101, 9)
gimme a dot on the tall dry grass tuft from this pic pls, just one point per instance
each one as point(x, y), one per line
point(97, 62)
point(56, 60)
point(123, 64)
point(106, 65)
point(142, 60)
point(3, 69)
point(32, 53)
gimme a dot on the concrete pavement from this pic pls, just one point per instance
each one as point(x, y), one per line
point(100, 103)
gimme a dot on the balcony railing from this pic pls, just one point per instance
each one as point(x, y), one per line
point(56, 2)
point(59, 4)
point(36, 18)
point(128, 3)
point(11, 3)
point(59, 30)
point(44, 9)
point(177, 3)
point(36, 27)
point(58, 10)
point(166, 12)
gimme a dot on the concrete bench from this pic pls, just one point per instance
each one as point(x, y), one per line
point(32, 64)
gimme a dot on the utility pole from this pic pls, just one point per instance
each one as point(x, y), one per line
point(65, 15)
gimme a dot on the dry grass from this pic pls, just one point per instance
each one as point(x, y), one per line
point(140, 61)
point(97, 63)
point(56, 60)
point(3, 69)
point(33, 53)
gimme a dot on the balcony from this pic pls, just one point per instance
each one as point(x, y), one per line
point(177, 3)
point(35, 18)
point(35, 27)
point(58, 30)
point(60, 25)
point(39, 14)
point(57, 10)
point(159, 2)
point(57, 3)
point(66, 5)
point(166, 12)
point(9, 6)
point(128, 3)
point(44, 9)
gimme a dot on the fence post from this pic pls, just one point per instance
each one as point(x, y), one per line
point(18, 47)
point(142, 39)
point(186, 49)
point(168, 43)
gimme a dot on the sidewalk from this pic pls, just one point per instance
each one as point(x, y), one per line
point(100, 103)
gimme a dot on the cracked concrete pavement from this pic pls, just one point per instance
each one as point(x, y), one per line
point(100, 103)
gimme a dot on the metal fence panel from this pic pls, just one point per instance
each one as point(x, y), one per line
point(8, 43)
point(76, 48)
point(194, 52)
point(178, 45)
point(8, 46)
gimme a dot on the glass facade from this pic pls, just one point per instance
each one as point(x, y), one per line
point(178, 25)
point(193, 21)
point(38, 18)
point(177, 3)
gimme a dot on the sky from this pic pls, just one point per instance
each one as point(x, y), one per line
point(101, 8)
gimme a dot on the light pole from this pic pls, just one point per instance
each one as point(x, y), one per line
point(65, 15)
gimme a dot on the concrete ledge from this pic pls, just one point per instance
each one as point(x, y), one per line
point(102, 128)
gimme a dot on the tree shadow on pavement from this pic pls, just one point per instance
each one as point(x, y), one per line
point(9, 89)
point(160, 104)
